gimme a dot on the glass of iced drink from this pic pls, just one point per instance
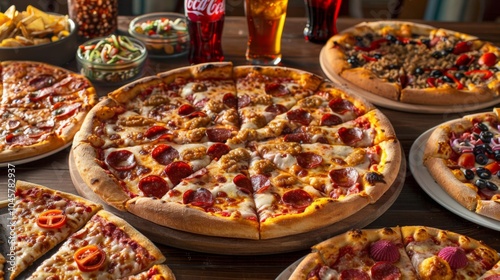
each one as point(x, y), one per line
point(265, 19)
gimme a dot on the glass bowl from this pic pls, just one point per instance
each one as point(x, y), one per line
point(100, 63)
point(164, 34)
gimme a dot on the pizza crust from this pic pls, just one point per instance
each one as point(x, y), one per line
point(96, 178)
point(321, 213)
point(190, 219)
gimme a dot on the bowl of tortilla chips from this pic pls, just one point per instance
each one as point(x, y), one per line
point(37, 36)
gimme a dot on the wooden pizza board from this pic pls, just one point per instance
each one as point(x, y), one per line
point(238, 246)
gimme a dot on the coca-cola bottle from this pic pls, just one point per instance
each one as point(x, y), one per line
point(205, 19)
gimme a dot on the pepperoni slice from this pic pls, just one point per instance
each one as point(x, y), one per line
point(185, 109)
point(385, 271)
point(244, 100)
point(41, 81)
point(260, 183)
point(276, 89)
point(276, 109)
point(155, 132)
point(345, 177)
point(350, 136)
point(65, 111)
point(299, 116)
point(330, 120)
point(200, 197)
point(354, 274)
point(164, 154)
point(230, 100)
point(309, 160)
point(40, 94)
point(299, 199)
point(17, 139)
point(153, 186)
point(178, 170)
point(217, 150)
point(298, 138)
point(13, 124)
point(218, 134)
point(243, 183)
point(121, 160)
point(340, 106)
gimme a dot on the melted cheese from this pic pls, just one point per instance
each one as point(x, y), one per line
point(119, 255)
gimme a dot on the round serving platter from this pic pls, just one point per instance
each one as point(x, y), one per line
point(392, 104)
point(237, 246)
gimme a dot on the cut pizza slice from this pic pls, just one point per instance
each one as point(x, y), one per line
point(264, 92)
point(107, 248)
point(364, 131)
point(461, 156)
point(148, 170)
point(287, 206)
point(358, 254)
point(217, 199)
point(492, 274)
point(441, 254)
point(44, 218)
point(157, 272)
point(33, 84)
point(337, 170)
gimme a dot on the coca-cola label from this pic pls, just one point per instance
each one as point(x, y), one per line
point(204, 10)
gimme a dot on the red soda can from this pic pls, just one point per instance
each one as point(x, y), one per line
point(205, 21)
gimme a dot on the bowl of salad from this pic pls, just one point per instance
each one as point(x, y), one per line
point(164, 34)
point(114, 59)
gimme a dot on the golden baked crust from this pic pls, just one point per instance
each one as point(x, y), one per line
point(415, 63)
point(183, 144)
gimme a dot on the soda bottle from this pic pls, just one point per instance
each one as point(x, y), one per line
point(205, 20)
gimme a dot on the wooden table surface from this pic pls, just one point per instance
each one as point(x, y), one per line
point(412, 207)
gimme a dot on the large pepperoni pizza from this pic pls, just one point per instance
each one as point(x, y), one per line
point(246, 152)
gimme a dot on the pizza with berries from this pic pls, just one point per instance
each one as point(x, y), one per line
point(408, 252)
point(41, 108)
point(415, 63)
point(243, 151)
point(463, 157)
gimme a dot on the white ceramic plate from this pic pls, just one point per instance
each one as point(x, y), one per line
point(427, 183)
point(37, 157)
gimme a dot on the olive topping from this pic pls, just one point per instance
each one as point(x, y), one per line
point(354, 61)
point(482, 159)
point(482, 127)
point(419, 71)
point(391, 38)
point(444, 53)
point(469, 174)
point(377, 56)
point(448, 79)
point(492, 186)
point(480, 183)
point(497, 156)
point(436, 73)
point(482, 149)
point(437, 54)
point(486, 136)
point(459, 75)
point(426, 41)
point(393, 66)
point(463, 68)
point(483, 173)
